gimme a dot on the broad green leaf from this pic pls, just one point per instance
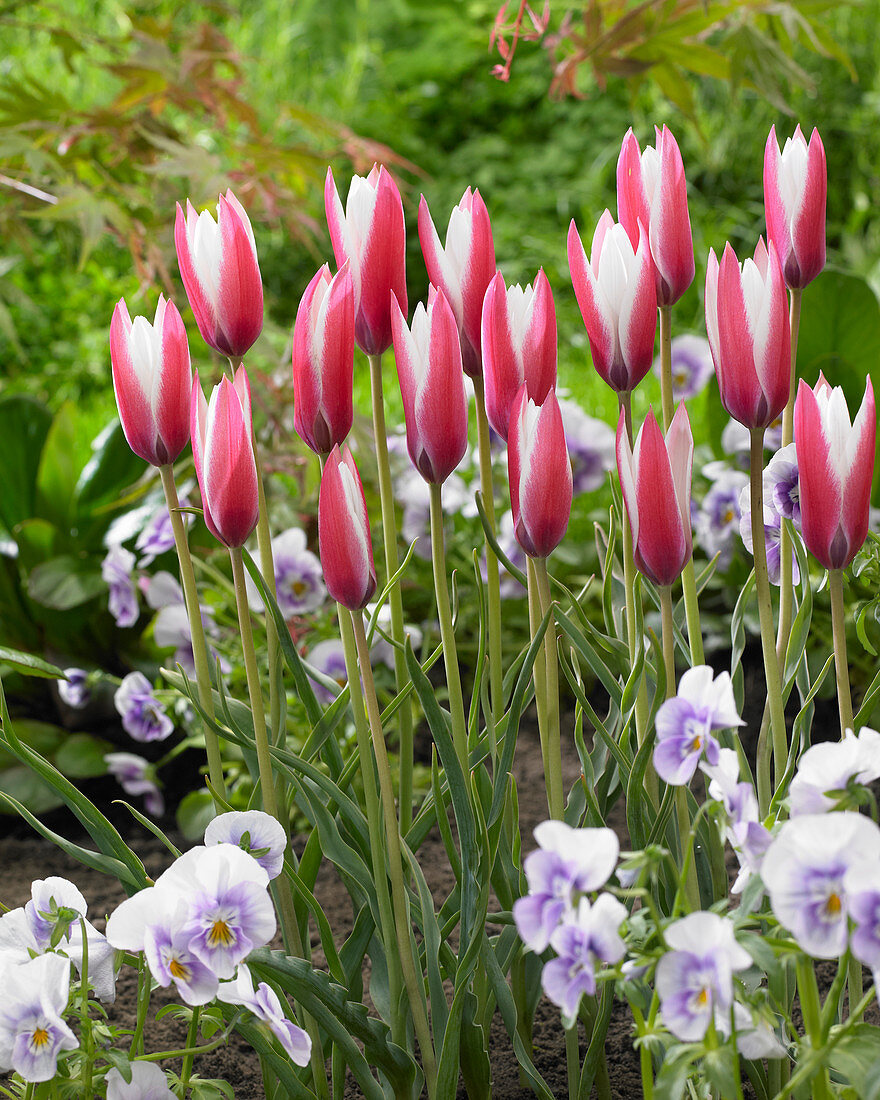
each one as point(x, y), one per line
point(59, 466)
point(24, 425)
point(196, 809)
point(839, 332)
point(66, 582)
point(81, 756)
point(112, 468)
point(29, 665)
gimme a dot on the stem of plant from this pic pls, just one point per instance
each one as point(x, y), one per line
point(809, 998)
point(395, 599)
point(192, 1037)
point(374, 824)
point(408, 959)
point(86, 1037)
point(143, 1004)
point(786, 585)
point(493, 581)
point(539, 675)
point(447, 633)
point(551, 696)
point(841, 666)
point(765, 611)
point(197, 630)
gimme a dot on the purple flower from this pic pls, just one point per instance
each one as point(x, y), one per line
point(589, 935)
point(74, 691)
point(695, 978)
point(32, 1031)
point(685, 723)
point(143, 716)
point(782, 485)
point(718, 518)
point(832, 766)
point(299, 579)
point(137, 777)
point(171, 959)
point(805, 870)
point(253, 831)
point(157, 537)
point(328, 657)
point(568, 861)
point(862, 886)
point(772, 538)
point(171, 627)
point(116, 569)
point(692, 366)
point(148, 1082)
point(590, 447)
point(745, 833)
point(263, 1002)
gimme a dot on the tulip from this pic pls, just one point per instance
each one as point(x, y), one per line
point(224, 458)
point(323, 360)
point(519, 346)
point(370, 234)
point(651, 189)
point(152, 379)
point(655, 478)
point(344, 533)
point(836, 464)
point(435, 406)
point(539, 472)
point(795, 186)
point(618, 301)
point(219, 268)
point(462, 269)
point(749, 334)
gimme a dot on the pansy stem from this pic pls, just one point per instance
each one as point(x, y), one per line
point(197, 630)
point(395, 598)
point(192, 1038)
point(765, 612)
point(841, 666)
point(809, 997)
point(447, 632)
point(411, 972)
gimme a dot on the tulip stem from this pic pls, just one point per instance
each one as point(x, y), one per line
point(197, 632)
point(666, 366)
point(765, 611)
point(447, 632)
point(411, 972)
point(374, 822)
point(539, 674)
point(493, 582)
point(551, 703)
point(395, 599)
point(841, 666)
point(786, 585)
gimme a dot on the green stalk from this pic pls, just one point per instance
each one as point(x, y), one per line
point(197, 631)
point(411, 971)
point(143, 1004)
point(551, 696)
point(841, 667)
point(447, 633)
point(374, 823)
point(786, 584)
point(765, 611)
point(493, 581)
point(395, 598)
point(192, 1038)
point(809, 998)
point(666, 366)
point(539, 676)
point(86, 1036)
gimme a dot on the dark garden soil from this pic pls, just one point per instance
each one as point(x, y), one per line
point(24, 857)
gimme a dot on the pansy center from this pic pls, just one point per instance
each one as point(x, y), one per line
point(833, 905)
point(220, 934)
point(179, 970)
point(39, 1038)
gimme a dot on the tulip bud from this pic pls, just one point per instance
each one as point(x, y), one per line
point(432, 386)
point(224, 458)
point(519, 345)
point(749, 334)
point(655, 479)
point(371, 235)
point(219, 268)
point(152, 379)
point(323, 360)
point(540, 473)
point(651, 189)
point(344, 533)
point(835, 464)
point(795, 186)
point(462, 269)
point(618, 301)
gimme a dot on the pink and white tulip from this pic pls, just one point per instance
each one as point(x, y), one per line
point(224, 458)
point(371, 235)
point(221, 274)
point(655, 479)
point(435, 407)
point(616, 293)
point(749, 334)
point(152, 378)
point(651, 189)
point(836, 465)
point(795, 188)
point(323, 360)
point(540, 473)
point(519, 345)
point(344, 541)
point(462, 268)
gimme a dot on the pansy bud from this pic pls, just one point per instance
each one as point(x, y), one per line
point(219, 268)
point(344, 541)
point(795, 187)
point(371, 235)
point(540, 473)
point(152, 379)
